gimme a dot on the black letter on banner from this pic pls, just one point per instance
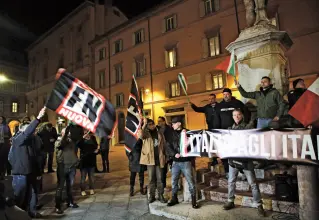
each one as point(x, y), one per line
point(75, 96)
point(92, 112)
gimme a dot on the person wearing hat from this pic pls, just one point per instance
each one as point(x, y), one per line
point(299, 88)
point(270, 104)
point(209, 110)
point(180, 164)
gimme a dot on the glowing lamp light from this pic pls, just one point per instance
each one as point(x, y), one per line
point(147, 91)
point(3, 78)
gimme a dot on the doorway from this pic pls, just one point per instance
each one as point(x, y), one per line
point(121, 127)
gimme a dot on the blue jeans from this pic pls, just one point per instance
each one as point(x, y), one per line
point(87, 172)
point(25, 192)
point(263, 122)
point(186, 169)
point(250, 175)
point(65, 176)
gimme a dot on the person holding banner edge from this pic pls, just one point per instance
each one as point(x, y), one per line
point(245, 166)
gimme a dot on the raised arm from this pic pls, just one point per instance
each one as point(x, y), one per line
point(198, 109)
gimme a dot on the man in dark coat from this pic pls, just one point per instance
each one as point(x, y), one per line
point(135, 167)
point(48, 136)
point(77, 133)
point(167, 131)
point(25, 166)
point(209, 110)
point(104, 150)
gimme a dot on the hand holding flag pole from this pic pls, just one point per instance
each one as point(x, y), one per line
point(183, 83)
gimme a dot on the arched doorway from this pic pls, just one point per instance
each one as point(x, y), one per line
point(12, 125)
point(121, 127)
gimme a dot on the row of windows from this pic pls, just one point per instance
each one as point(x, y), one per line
point(216, 80)
point(14, 107)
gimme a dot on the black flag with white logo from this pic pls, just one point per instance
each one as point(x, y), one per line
point(76, 101)
point(133, 117)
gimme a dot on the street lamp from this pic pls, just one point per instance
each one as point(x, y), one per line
point(3, 78)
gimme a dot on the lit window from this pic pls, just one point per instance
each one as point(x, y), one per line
point(14, 107)
point(214, 47)
point(170, 56)
point(175, 89)
point(218, 80)
point(140, 70)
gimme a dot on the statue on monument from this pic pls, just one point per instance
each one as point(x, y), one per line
point(256, 12)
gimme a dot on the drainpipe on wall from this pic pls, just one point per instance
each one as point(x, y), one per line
point(151, 71)
point(109, 57)
point(236, 12)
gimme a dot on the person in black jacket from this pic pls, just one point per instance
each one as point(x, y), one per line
point(223, 116)
point(209, 110)
point(26, 166)
point(167, 131)
point(135, 167)
point(180, 164)
point(299, 88)
point(48, 136)
point(104, 150)
point(88, 147)
point(77, 133)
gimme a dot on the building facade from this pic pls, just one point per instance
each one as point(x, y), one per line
point(13, 70)
point(66, 45)
point(187, 36)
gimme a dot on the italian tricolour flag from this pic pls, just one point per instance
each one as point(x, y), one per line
point(228, 65)
point(307, 107)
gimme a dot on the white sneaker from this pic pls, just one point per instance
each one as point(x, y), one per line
point(83, 193)
point(91, 192)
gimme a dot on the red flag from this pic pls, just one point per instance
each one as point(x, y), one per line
point(307, 107)
point(223, 65)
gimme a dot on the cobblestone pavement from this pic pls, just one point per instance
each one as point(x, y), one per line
point(111, 200)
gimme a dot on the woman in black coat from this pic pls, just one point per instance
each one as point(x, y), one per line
point(135, 167)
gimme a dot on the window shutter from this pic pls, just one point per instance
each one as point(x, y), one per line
point(113, 76)
point(133, 39)
point(143, 35)
point(134, 67)
point(164, 25)
point(144, 66)
point(201, 9)
point(114, 101)
point(208, 81)
point(216, 5)
point(121, 45)
point(205, 50)
point(175, 20)
point(167, 91)
point(175, 57)
point(166, 59)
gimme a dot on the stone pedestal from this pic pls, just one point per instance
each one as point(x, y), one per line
point(260, 52)
point(308, 192)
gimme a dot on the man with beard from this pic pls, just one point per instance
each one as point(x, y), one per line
point(270, 104)
point(209, 110)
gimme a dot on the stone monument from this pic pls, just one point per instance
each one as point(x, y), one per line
point(259, 51)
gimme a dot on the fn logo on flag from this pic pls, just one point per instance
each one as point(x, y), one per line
point(82, 105)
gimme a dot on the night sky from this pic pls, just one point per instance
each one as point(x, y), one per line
point(40, 15)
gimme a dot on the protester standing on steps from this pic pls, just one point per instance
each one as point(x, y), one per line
point(135, 167)
point(153, 155)
point(247, 167)
point(270, 104)
point(88, 151)
point(104, 150)
point(25, 166)
point(180, 164)
point(209, 110)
